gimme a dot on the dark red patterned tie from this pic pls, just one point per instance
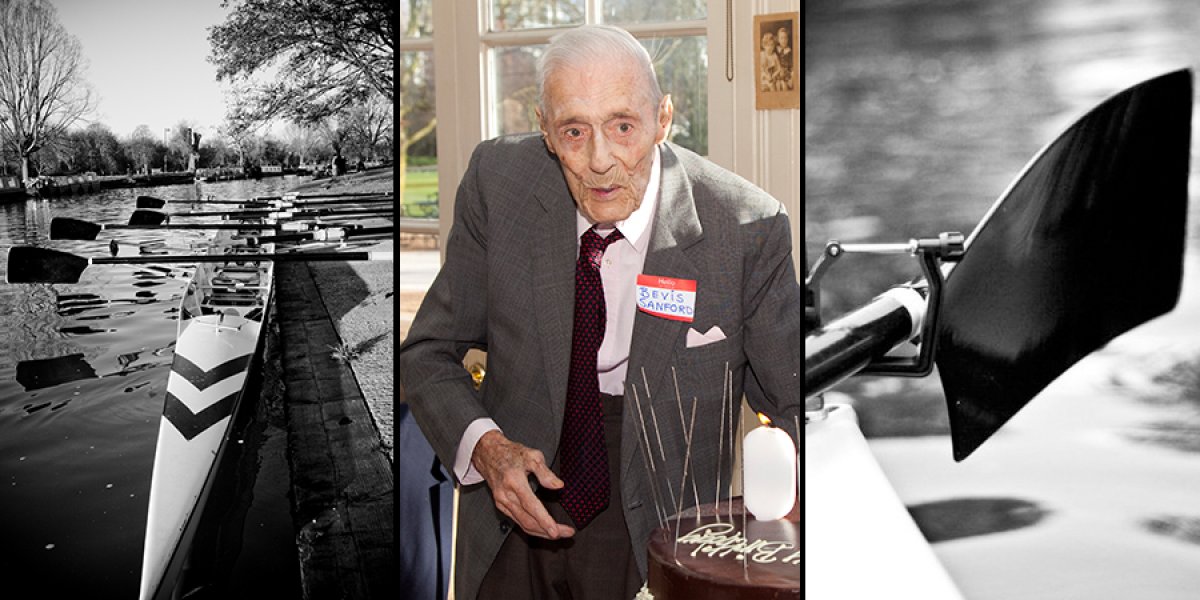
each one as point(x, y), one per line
point(581, 447)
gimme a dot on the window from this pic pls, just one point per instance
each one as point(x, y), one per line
point(673, 32)
point(513, 15)
point(418, 117)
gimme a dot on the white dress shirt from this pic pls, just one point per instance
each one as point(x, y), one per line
point(622, 262)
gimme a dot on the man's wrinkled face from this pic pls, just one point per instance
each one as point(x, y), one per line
point(603, 125)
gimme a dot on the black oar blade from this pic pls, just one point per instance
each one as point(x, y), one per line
point(147, 217)
point(30, 264)
point(66, 228)
point(150, 202)
point(1086, 244)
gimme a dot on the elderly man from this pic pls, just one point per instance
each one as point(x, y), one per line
point(611, 277)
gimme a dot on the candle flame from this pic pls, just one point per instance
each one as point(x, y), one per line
point(763, 419)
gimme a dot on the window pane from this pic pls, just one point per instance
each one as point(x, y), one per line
point(619, 12)
point(681, 64)
point(508, 15)
point(416, 18)
point(516, 87)
point(682, 67)
point(418, 136)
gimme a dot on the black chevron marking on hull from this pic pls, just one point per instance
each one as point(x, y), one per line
point(192, 424)
point(201, 378)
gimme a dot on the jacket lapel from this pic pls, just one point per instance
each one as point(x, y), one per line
point(676, 228)
point(554, 255)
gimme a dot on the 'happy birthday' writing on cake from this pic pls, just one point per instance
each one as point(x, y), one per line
point(721, 540)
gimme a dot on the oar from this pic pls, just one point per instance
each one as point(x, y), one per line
point(1084, 245)
point(290, 196)
point(31, 264)
point(264, 202)
point(153, 217)
point(67, 228)
point(328, 234)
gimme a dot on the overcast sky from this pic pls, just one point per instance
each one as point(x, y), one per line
point(146, 60)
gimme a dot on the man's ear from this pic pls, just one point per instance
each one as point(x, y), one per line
point(666, 113)
point(542, 128)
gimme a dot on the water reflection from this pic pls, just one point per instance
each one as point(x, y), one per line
point(82, 376)
point(49, 372)
point(959, 518)
point(1186, 529)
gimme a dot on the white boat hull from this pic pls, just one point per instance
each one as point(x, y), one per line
point(859, 540)
point(219, 333)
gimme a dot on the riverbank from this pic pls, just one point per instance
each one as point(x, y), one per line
point(12, 190)
point(335, 322)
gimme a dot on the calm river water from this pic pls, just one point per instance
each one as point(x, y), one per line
point(918, 115)
point(83, 371)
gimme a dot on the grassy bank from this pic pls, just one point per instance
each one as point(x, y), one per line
point(360, 299)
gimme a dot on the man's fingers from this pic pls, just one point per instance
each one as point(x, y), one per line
point(531, 514)
point(544, 475)
point(506, 466)
point(521, 516)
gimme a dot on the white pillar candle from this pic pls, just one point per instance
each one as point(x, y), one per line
point(769, 472)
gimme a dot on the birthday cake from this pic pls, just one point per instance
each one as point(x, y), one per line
point(717, 553)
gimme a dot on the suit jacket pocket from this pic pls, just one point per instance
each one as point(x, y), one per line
point(728, 349)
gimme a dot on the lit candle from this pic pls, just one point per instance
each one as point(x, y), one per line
point(769, 472)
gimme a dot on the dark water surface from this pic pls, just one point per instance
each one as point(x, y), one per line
point(83, 371)
point(918, 114)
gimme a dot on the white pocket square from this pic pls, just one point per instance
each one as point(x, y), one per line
point(695, 339)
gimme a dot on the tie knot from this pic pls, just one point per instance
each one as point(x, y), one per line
point(592, 246)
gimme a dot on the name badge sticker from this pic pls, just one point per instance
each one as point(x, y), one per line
point(667, 297)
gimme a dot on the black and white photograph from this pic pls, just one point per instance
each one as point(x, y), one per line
point(776, 60)
point(196, 299)
point(1000, 196)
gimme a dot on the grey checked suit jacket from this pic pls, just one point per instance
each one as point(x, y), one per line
point(508, 285)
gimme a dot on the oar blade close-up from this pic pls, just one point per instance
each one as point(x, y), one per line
point(1086, 244)
point(31, 264)
point(66, 228)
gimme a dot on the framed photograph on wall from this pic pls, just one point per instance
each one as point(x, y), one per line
point(776, 61)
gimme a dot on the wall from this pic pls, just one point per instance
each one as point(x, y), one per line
point(761, 145)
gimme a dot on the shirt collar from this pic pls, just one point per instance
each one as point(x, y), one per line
point(636, 228)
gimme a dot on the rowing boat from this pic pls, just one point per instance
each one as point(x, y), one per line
point(218, 340)
point(219, 334)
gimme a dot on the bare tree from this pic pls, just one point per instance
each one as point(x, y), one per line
point(370, 126)
point(42, 91)
point(301, 140)
point(142, 147)
point(417, 118)
point(336, 130)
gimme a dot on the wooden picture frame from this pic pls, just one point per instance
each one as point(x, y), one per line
point(776, 61)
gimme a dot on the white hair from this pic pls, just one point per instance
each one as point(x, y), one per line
point(594, 43)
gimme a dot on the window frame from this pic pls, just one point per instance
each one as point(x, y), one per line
point(492, 40)
point(462, 44)
point(762, 146)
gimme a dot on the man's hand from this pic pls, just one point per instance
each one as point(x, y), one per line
point(506, 466)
